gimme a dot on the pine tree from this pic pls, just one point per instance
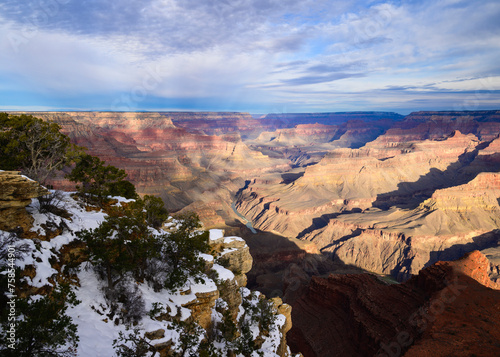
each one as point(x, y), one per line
point(35, 147)
point(98, 181)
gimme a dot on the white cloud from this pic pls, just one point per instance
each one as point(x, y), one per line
point(299, 52)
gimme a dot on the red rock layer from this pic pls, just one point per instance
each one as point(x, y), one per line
point(437, 125)
point(181, 166)
point(444, 311)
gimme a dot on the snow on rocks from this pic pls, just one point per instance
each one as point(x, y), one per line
point(195, 301)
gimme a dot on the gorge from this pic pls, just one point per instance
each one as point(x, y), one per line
point(343, 193)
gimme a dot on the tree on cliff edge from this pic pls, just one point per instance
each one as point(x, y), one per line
point(97, 181)
point(35, 147)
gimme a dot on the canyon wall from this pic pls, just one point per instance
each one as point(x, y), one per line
point(375, 190)
point(183, 167)
point(446, 309)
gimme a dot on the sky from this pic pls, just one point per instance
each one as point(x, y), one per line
point(257, 56)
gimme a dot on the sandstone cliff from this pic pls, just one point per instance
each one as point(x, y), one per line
point(346, 179)
point(445, 310)
point(388, 209)
point(400, 242)
point(182, 166)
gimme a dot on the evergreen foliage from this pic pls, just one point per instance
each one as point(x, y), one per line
point(178, 252)
point(189, 338)
point(133, 345)
point(98, 181)
point(125, 247)
point(154, 210)
point(117, 246)
point(35, 147)
point(43, 328)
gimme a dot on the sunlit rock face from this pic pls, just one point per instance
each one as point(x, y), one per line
point(423, 191)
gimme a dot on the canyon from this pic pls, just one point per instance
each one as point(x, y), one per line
point(380, 200)
point(373, 190)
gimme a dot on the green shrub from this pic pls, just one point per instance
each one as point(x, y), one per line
point(42, 327)
point(122, 188)
point(124, 247)
point(132, 345)
point(180, 249)
point(119, 245)
point(153, 210)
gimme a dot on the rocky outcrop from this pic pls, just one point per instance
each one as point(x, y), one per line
point(444, 309)
point(201, 307)
point(16, 192)
point(286, 311)
point(234, 253)
point(198, 304)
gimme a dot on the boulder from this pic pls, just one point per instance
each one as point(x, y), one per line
point(16, 192)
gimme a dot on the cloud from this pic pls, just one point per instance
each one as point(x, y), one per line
point(320, 79)
point(308, 54)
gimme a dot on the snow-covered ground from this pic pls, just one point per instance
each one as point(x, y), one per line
point(95, 330)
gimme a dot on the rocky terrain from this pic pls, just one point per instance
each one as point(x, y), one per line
point(421, 192)
point(306, 144)
point(194, 161)
point(16, 193)
point(372, 190)
point(369, 189)
point(206, 305)
point(183, 167)
point(250, 127)
point(347, 193)
point(443, 311)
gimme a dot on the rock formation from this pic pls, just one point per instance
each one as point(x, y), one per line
point(444, 311)
point(183, 167)
point(16, 192)
point(391, 209)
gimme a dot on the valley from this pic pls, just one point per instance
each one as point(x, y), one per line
point(378, 191)
point(315, 194)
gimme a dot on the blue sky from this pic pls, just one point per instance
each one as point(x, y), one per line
point(259, 56)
